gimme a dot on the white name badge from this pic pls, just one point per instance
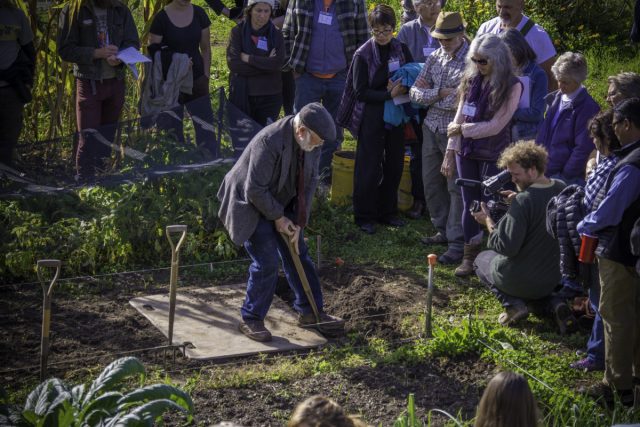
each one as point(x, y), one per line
point(426, 51)
point(262, 43)
point(469, 110)
point(394, 64)
point(325, 18)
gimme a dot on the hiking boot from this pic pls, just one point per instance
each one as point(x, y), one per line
point(451, 256)
point(436, 239)
point(608, 395)
point(416, 210)
point(513, 314)
point(471, 251)
point(565, 320)
point(586, 365)
point(368, 227)
point(393, 221)
point(255, 330)
point(329, 325)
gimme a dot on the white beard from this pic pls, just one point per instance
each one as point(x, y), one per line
point(305, 143)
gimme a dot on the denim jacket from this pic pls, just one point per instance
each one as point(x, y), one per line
point(526, 121)
point(78, 38)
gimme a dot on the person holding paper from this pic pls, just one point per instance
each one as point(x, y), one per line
point(530, 112)
point(91, 39)
point(255, 56)
point(380, 150)
point(184, 28)
point(17, 66)
point(481, 129)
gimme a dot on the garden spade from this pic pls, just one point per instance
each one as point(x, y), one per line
point(173, 281)
point(431, 259)
point(47, 291)
point(303, 276)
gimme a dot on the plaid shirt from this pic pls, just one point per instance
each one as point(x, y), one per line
point(298, 22)
point(440, 71)
point(596, 180)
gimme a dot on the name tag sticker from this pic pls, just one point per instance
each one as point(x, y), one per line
point(262, 43)
point(325, 18)
point(394, 64)
point(469, 109)
point(87, 22)
point(426, 51)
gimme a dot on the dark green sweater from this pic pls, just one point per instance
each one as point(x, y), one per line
point(528, 266)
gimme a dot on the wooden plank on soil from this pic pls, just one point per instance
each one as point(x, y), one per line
point(208, 318)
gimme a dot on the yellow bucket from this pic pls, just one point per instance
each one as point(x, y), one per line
point(342, 167)
point(405, 199)
point(342, 181)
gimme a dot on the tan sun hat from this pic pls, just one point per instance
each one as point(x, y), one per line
point(448, 25)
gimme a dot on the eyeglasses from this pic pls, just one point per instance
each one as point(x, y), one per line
point(386, 32)
point(617, 122)
point(479, 61)
point(431, 3)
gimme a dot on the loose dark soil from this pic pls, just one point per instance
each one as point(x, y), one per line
point(96, 320)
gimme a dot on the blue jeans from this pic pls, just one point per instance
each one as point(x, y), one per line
point(266, 249)
point(328, 91)
point(595, 345)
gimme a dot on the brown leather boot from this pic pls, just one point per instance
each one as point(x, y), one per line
point(470, 253)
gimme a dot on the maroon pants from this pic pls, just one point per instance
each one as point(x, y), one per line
point(98, 106)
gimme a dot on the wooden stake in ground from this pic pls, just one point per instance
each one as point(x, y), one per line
point(431, 259)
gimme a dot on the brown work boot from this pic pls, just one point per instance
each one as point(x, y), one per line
point(328, 325)
point(513, 314)
point(255, 330)
point(471, 251)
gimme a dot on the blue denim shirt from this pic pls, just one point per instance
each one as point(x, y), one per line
point(326, 50)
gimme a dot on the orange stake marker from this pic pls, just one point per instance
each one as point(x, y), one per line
point(431, 260)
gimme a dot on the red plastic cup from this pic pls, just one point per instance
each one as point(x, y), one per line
point(588, 249)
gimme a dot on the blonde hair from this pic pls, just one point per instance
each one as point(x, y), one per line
point(507, 402)
point(320, 411)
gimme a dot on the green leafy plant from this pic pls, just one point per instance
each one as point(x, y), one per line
point(104, 403)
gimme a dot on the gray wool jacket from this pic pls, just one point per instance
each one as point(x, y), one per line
point(259, 184)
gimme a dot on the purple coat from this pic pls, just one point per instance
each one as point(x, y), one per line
point(568, 142)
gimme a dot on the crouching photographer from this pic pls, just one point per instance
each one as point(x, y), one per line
point(521, 265)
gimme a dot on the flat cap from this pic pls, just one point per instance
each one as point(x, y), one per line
point(316, 118)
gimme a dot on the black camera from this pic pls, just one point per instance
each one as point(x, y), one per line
point(491, 187)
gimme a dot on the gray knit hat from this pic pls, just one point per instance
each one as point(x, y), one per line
point(271, 3)
point(315, 117)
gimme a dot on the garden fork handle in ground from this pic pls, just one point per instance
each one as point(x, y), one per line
point(47, 291)
point(173, 281)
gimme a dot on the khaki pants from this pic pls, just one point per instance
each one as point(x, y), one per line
point(620, 311)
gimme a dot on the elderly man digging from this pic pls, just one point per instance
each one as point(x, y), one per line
point(266, 196)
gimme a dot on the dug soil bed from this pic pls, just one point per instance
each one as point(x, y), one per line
point(96, 320)
point(379, 394)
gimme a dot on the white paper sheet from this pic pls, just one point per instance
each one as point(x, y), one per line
point(526, 92)
point(131, 55)
point(401, 99)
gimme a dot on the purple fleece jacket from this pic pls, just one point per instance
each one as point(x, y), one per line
point(568, 142)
